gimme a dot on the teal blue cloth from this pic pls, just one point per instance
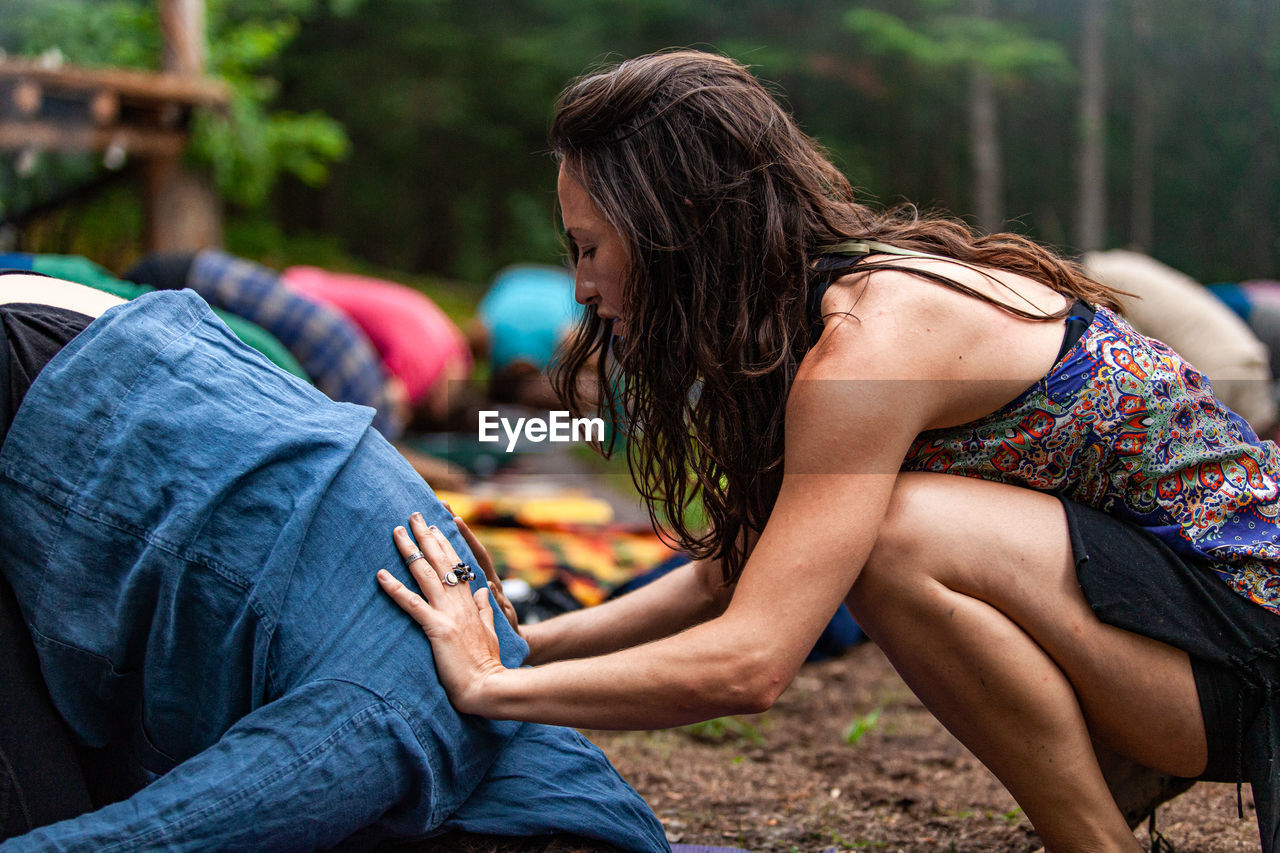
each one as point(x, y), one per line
point(1234, 297)
point(527, 311)
point(192, 537)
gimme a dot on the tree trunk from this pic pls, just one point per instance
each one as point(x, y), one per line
point(1142, 205)
point(984, 142)
point(182, 23)
point(1262, 152)
point(1092, 175)
point(988, 176)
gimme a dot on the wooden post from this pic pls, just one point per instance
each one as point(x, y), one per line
point(1142, 218)
point(183, 211)
point(984, 140)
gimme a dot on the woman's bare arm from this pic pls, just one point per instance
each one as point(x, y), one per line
point(684, 597)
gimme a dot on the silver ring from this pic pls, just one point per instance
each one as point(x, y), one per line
point(450, 578)
point(464, 571)
point(416, 555)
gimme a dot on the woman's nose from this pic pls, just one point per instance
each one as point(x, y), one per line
point(584, 290)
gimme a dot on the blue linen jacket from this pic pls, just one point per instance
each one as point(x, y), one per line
point(192, 536)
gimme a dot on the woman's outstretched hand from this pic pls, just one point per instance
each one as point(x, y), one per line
point(458, 623)
point(486, 563)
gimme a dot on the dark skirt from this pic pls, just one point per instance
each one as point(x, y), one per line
point(1132, 580)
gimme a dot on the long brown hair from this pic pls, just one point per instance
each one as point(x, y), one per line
point(723, 206)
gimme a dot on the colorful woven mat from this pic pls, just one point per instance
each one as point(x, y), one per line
point(563, 536)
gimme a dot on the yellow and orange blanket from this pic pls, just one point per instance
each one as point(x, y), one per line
point(562, 535)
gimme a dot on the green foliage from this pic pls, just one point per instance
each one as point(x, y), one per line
point(886, 33)
point(247, 146)
point(724, 729)
point(944, 41)
point(106, 228)
point(861, 726)
point(413, 132)
point(86, 32)
point(452, 172)
point(1013, 817)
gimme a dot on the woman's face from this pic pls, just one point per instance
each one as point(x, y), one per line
point(596, 249)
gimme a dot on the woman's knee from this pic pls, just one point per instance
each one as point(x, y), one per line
point(961, 532)
point(906, 549)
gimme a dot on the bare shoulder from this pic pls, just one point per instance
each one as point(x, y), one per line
point(874, 380)
point(1005, 287)
point(890, 324)
point(918, 345)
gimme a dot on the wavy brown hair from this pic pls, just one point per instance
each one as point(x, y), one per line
point(723, 206)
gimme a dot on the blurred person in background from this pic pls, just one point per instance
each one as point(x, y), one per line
point(526, 314)
point(336, 355)
point(424, 351)
point(1257, 302)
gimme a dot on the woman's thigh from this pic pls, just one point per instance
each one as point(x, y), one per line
point(1011, 548)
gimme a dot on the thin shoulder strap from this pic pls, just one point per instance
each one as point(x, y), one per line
point(837, 260)
point(873, 247)
point(862, 248)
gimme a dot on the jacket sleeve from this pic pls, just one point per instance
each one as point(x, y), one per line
point(300, 773)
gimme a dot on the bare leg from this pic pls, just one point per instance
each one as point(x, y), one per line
point(971, 592)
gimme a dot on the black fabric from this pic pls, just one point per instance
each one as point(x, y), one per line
point(162, 270)
point(33, 335)
point(1078, 320)
point(832, 267)
point(1134, 581)
point(41, 781)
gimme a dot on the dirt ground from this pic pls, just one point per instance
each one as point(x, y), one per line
point(791, 780)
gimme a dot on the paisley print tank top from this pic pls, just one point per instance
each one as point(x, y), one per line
point(1124, 425)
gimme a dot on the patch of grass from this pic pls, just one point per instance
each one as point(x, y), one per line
point(723, 729)
point(842, 843)
point(861, 725)
point(839, 840)
point(1013, 817)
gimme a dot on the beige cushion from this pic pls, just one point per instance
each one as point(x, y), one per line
point(42, 290)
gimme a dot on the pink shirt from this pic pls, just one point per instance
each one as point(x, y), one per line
point(414, 337)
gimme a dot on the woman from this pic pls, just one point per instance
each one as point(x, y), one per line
point(184, 531)
point(804, 366)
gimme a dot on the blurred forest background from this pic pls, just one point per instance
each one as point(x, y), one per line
point(410, 134)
